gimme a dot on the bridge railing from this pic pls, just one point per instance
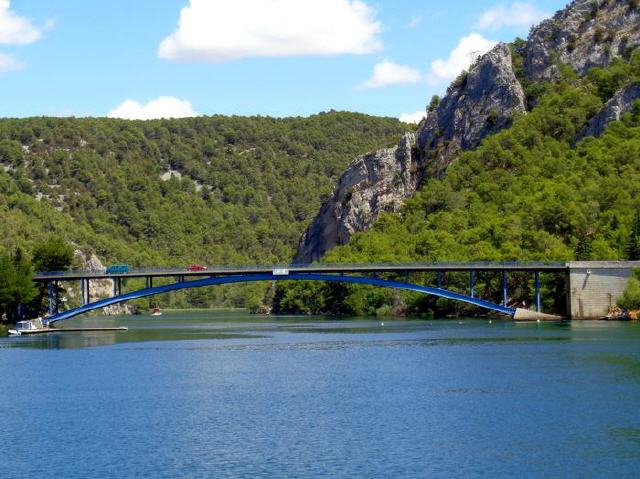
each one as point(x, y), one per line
point(170, 271)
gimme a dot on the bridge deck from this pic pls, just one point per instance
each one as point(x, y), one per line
point(326, 268)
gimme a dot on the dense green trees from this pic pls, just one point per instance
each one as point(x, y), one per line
point(630, 300)
point(633, 243)
point(211, 190)
point(53, 254)
point(17, 289)
point(19, 295)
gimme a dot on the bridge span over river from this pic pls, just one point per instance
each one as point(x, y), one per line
point(592, 287)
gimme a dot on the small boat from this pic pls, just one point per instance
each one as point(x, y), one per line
point(31, 326)
point(36, 326)
point(156, 311)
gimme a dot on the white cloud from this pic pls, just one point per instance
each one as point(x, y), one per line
point(388, 73)
point(515, 15)
point(16, 30)
point(414, 22)
point(462, 56)
point(412, 117)
point(162, 107)
point(225, 30)
point(9, 63)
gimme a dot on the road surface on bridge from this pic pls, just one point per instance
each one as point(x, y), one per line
point(319, 268)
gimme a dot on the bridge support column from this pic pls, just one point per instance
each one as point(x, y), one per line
point(538, 294)
point(54, 298)
point(86, 291)
point(472, 284)
point(505, 288)
point(51, 298)
point(149, 282)
point(440, 279)
point(117, 286)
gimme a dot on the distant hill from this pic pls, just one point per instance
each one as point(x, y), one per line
point(211, 190)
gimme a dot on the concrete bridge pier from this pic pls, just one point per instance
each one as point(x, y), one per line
point(54, 297)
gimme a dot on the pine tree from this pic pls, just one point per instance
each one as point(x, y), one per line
point(633, 244)
point(583, 249)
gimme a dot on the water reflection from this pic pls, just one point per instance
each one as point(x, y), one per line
point(257, 331)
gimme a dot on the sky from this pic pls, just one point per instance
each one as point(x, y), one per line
point(175, 58)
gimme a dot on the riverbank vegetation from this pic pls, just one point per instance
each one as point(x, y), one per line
point(630, 300)
point(19, 296)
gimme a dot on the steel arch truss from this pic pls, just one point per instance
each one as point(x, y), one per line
point(212, 281)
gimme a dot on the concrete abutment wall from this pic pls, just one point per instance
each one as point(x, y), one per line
point(594, 286)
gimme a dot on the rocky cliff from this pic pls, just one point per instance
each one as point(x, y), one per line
point(98, 288)
point(586, 34)
point(480, 102)
point(621, 103)
point(372, 184)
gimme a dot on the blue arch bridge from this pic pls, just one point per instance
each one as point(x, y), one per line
point(367, 274)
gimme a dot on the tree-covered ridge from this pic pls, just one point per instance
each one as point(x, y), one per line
point(208, 189)
point(526, 194)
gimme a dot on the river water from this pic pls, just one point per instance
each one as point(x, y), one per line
point(211, 395)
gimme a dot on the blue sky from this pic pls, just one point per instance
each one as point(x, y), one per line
point(147, 58)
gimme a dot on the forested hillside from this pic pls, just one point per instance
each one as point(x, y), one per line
point(528, 193)
point(211, 190)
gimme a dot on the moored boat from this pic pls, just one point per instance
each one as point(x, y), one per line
point(30, 326)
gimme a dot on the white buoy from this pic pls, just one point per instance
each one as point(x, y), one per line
point(381, 324)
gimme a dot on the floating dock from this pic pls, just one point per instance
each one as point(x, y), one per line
point(68, 330)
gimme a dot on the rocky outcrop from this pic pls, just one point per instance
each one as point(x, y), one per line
point(478, 103)
point(586, 34)
point(372, 184)
point(482, 102)
point(621, 103)
point(98, 288)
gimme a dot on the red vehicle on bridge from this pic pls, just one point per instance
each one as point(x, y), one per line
point(196, 267)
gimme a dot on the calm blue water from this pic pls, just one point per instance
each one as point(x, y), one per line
point(200, 396)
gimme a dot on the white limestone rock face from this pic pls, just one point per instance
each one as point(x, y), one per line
point(621, 103)
point(586, 34)
point(98, 288)
point(372, 184)
point(482, 104)
point(478, 104)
